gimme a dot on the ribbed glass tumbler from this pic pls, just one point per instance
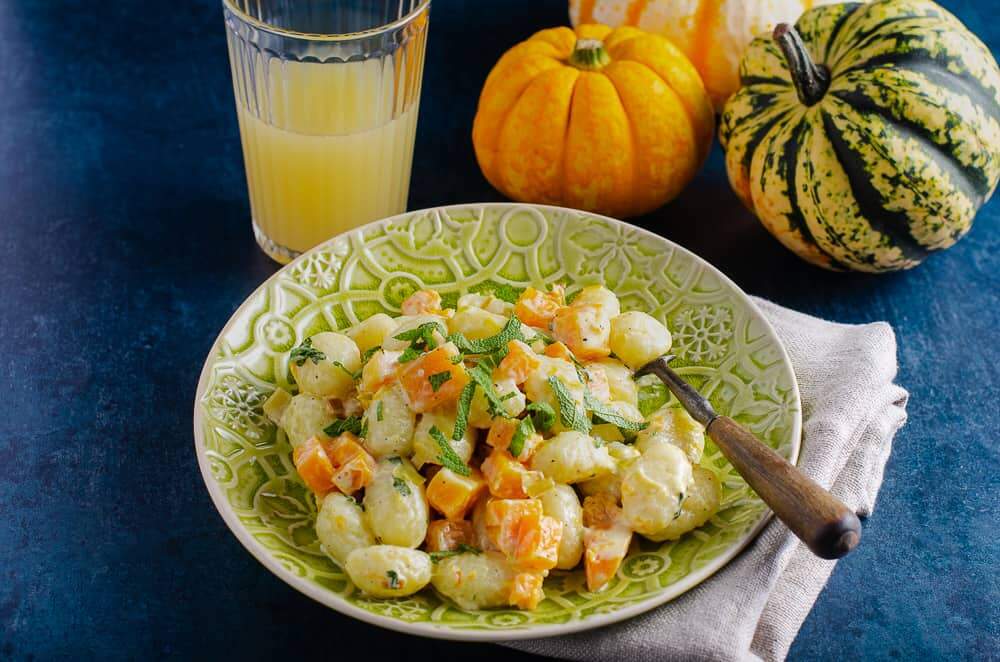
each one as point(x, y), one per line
point(327, 93)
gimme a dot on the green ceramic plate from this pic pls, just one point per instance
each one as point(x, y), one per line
point(724, 346)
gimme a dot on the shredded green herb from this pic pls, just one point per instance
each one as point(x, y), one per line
point(409, 354)
point(462, 408)
point(306, 352)
point(448, 457)
point(569, 413)
point(603, 413)
point(401, 486)
point(369, 353)
point(423, 335)
point(351, 424)
point(525, 428)
point(378, 411)
point(543, 414)
point(501, 291)
point(354, 375)
point(438, 379)
point(484, 379)
point(393, 579)
point(510, 331)
point(461, 549)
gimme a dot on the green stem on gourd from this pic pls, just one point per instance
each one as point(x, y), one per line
point(589, 54)
point(811, 80)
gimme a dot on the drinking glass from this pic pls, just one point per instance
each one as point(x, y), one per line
point(327, 93)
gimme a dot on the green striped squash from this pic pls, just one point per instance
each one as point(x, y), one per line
point(867, 136)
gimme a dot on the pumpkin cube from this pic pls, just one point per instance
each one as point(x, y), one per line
point(453, 495)
point(422, 302)
point(507, 518)
point(585, 329)
point(558, 350)
point(519, 362)
point(353, 466)
point(314, 466)
point(501, 432)
point(504, 475)
point(432, 380)
point(379, 371)
point(605, 550)
point(526, 590)
point(538, 544)
point(606, 537)
point(537, 308)
point(445, 535)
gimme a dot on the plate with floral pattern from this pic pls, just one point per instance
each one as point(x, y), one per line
point(723, 344)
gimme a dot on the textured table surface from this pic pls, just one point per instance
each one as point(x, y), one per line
point(125, 245)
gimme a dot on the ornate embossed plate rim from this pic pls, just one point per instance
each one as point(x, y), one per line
point(440, 631)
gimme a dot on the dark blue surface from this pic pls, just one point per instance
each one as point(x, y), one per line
point(125, 245)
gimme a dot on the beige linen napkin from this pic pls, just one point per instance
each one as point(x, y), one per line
point(753, 608)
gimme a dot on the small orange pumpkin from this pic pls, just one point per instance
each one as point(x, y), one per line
point(611, 121)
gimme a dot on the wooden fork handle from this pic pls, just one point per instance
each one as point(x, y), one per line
point(827, 526)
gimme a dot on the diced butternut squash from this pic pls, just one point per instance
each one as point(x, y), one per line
point(537, 308)
point(352, 465)
point(453, 495)
point(507, 518)
point(422, 302)
point(526, 590)
point(520, 362)
point(558, 350)
point(504, 475)
point(445, 535)
point(501, 432)
point(379, 371)
point(605, 550)
point(606, 537)
point(424, 393)
point(585, 329)
point(538, 544)
point(314, 466)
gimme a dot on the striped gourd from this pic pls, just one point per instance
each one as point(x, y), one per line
point(712, 33)
point(868, 136)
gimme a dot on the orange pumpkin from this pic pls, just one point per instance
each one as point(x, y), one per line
point(610, 121)
point(712, 33)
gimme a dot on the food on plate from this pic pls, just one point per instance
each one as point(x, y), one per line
point(610, 121)
point(867, 136)
point(476, 453)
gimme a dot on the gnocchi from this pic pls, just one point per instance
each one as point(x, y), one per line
point(637, 338)
point(653, 487)
point(304, 417)
point(396, 505)
point(390, 423)
point(372, 332)
point(478, 448)
point(572, 457)
point(387, 571)
point(674, 426)
point(475, 581)
point(328, 369)
point(341, 526)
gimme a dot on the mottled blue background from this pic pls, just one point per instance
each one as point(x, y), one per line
point(125, 246)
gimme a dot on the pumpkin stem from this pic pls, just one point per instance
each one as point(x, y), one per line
point(589, 54)
point(811, 80)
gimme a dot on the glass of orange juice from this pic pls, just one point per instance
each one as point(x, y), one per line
point(327, 93)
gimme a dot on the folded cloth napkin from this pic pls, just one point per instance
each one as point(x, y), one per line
point(753, 607)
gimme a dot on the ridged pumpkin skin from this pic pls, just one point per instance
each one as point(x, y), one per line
point(712, 33)
point(619, 138)
point(895, 158)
